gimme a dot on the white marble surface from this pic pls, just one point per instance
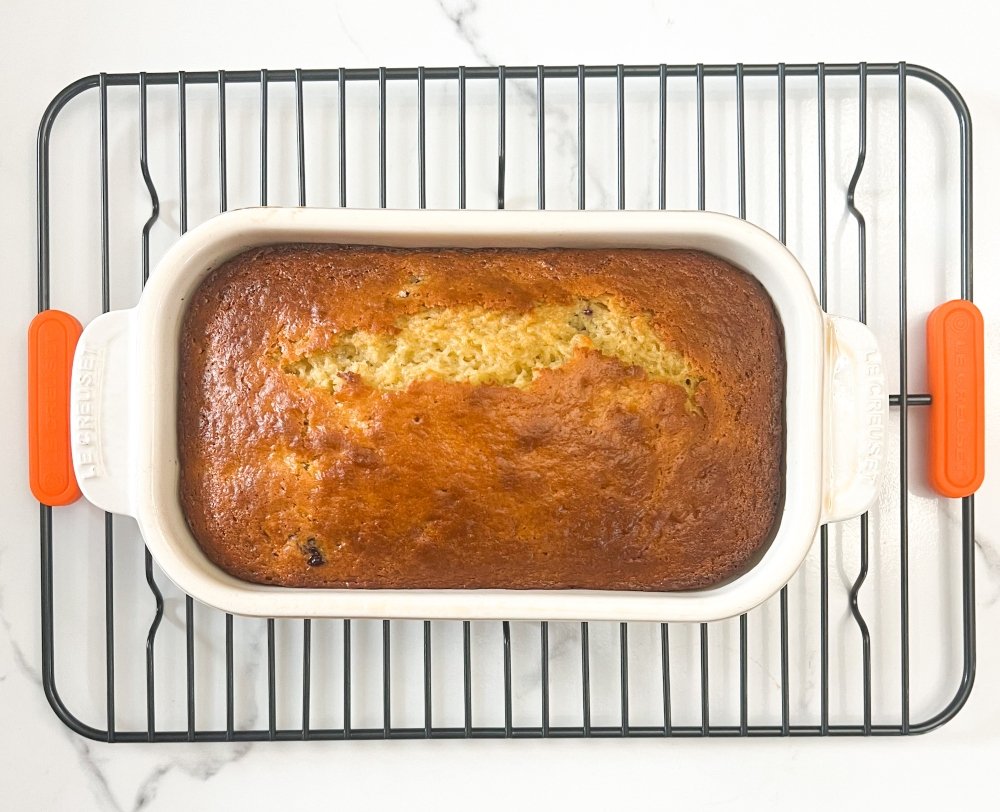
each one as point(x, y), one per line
point(43, 766)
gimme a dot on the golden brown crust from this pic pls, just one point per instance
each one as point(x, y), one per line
point(594, 476)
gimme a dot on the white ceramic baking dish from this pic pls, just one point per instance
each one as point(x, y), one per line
point(124, 397)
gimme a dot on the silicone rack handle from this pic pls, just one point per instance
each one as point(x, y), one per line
point(955, 377)
point(52, 339)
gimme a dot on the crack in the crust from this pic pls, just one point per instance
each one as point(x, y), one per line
point(477, 346)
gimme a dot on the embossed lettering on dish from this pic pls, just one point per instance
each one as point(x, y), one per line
point(86, 417)
point(875, 425)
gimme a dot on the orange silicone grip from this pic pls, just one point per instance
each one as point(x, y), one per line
point(955, 375)
point(52, 338)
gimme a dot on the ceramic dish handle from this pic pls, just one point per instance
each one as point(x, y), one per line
point(99, 411)
point(857, 406)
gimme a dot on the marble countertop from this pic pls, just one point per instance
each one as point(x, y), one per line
point(43, 46)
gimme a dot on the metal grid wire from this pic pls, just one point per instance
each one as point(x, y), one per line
point(682, 679)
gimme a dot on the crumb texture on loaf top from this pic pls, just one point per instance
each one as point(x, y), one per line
point(475, 345)
point(355, 416)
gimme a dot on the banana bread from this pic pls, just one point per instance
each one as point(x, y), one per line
point(368, 417)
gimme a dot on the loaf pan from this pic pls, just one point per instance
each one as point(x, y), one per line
point(123, 407)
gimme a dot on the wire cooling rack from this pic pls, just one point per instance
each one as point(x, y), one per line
point(876, 633)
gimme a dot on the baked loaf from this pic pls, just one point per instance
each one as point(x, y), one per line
point(481, 418)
